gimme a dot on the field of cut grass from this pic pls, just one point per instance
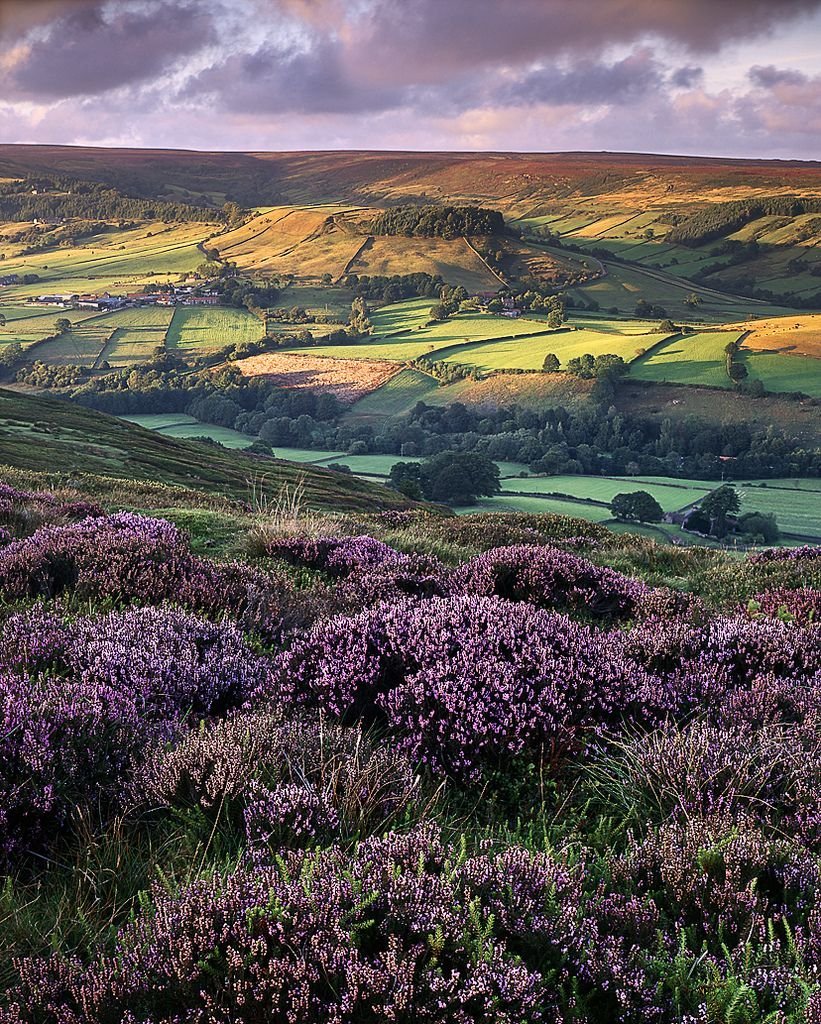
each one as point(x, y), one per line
point(81, 346)
point(688, 359)
point(796, 503)
point(318, 301)
point(197, 330)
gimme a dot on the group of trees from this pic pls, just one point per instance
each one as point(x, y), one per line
point(716, 220)
point(393, 289)
point(454, 478)
point(37, 198)
point(438, 221)
point(719, 515)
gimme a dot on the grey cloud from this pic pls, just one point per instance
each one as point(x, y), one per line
point(687, 77)
point(91, 49)
point(770, 76)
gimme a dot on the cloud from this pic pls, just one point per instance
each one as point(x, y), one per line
point(92, 48)
point(687, 77)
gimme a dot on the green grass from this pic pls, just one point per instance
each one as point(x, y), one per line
point(402, 316)
point(396, 397)
point(782, 372)
point(529, 353)
point(62, 439)
point(196, 330)
point(696, 359)
point(796, 503)
point(558, 506)
point(427, 341)
point(671, 495)
point(180, 425)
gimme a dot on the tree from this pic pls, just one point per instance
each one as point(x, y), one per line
point(360, 321)
point(551, 363)
point(555, 318)
point(62, 325)
point(439, 312)
point(458, 478)
point(693, 300)
point(2, 320)
point(718, 505)
point(637, 506)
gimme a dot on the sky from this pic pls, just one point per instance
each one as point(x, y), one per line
point(738, 78)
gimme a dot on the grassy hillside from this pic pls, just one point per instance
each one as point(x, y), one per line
point(53, 436)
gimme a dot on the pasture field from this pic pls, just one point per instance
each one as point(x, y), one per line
point(558, 506)
point(688, 359)
point(795, 334)
point(426, 341)
point(197, 330)
point(115, 261)
point(670, 494)
point(454, 259)
point(408, 315)
point(83, 345)
point(186, 427)
point(781, 372)
point(528, 353)
point(397, 396)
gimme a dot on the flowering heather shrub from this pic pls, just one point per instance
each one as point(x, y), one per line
point(468, 681)
point(394, 932)
point(802, 605)
point(498, 529)
point(353, 783)
point(770, 775)
point(549, 578)
point(128, 677)
point(413, 576)
point(785, 555)
point(128, 558)
point(5, 537)
point(23, 511)
point(721, 876)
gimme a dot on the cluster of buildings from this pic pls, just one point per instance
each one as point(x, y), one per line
point(182, 296)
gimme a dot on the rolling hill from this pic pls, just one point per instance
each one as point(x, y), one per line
point(64, 439)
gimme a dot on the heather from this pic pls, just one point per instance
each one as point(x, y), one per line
point(257, 766)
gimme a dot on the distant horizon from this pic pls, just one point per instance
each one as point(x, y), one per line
point(721, 158)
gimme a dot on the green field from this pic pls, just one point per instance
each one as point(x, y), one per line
point(558, 506)
point(397, 396)
point(688, 359)
point(796, 503)
point(426, 341)
point(782, 372)
point(182, 426)
point(116, 260)
point(402, 316)
point(197, 330)
point(529, 353)
point(671, 495)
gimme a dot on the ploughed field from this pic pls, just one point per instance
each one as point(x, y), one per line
point(261, 734)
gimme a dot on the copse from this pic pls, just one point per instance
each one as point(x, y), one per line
point(438, 221)
point(454, 478)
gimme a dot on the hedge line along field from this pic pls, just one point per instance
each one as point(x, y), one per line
point(197, 330)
